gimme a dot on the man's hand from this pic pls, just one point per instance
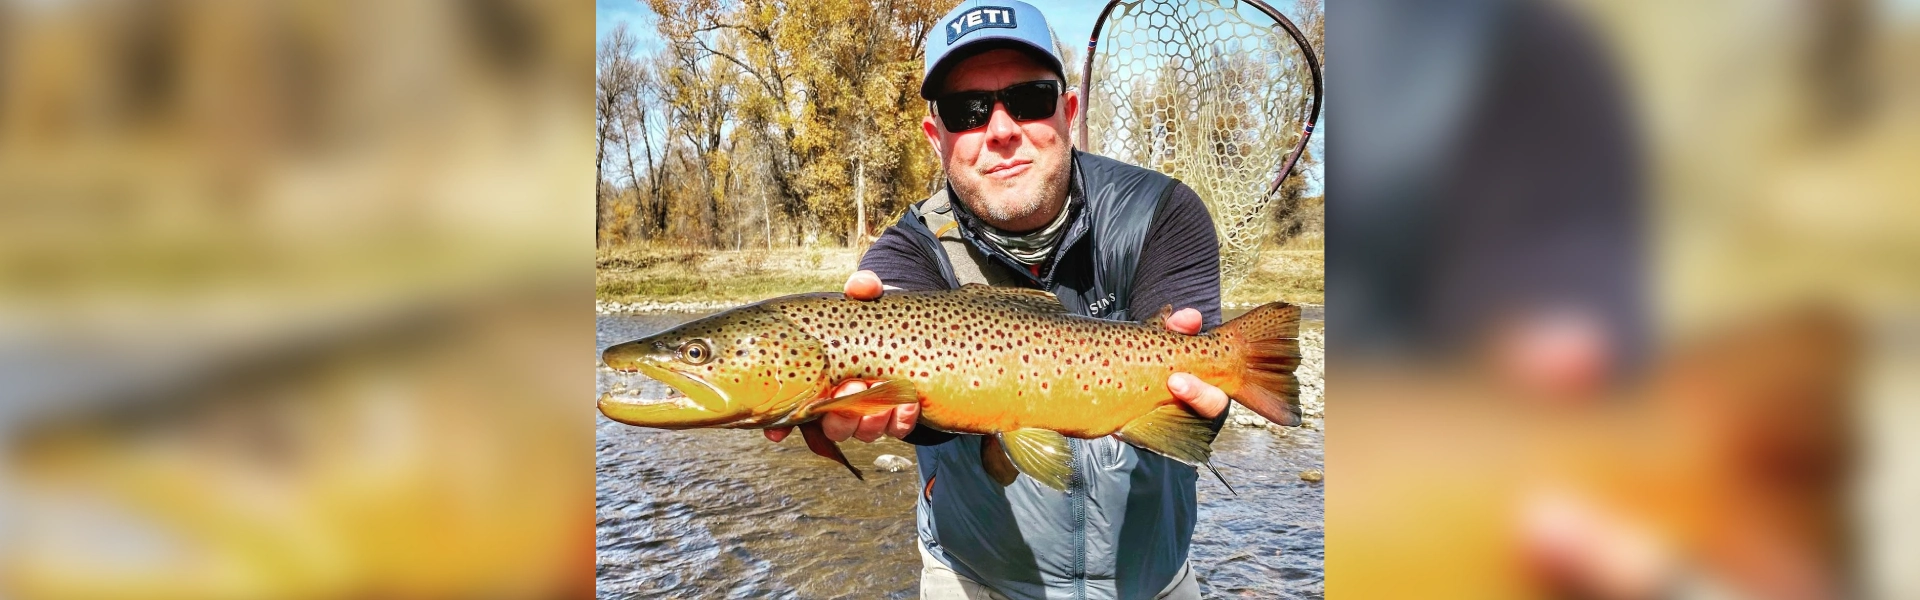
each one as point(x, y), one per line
point(1205, 400)
point(863, 285)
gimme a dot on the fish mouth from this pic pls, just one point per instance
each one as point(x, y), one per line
point(693, 403)
point(696, 403)
point(628, 357)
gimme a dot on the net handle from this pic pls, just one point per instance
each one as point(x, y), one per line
point(1306, 49)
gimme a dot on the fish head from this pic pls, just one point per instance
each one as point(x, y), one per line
point(743, 368)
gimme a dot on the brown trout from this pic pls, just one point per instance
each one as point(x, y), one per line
point(1005, 362)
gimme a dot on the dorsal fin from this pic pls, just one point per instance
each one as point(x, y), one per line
point(1159, 320)
point(1030, 299)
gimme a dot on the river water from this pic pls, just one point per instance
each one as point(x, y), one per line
point(724, 513)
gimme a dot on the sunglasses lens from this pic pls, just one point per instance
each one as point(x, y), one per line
point(965, 112)
point(1029, 101)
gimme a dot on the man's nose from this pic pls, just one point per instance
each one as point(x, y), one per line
point(1001, 128)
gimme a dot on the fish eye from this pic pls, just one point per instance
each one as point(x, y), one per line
point(696, 352)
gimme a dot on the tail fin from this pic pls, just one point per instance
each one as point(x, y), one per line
point(1268, 341)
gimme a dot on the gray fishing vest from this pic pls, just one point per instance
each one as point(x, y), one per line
point(1124, 527)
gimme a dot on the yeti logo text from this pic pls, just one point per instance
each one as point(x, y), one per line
point(978, 19)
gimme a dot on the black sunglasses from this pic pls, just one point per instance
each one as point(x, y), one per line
point(967, 111)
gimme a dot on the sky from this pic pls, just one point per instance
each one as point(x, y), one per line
point(639, 20)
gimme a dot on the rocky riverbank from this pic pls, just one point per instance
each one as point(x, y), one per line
point(664, 279)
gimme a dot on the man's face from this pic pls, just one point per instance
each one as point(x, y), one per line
point(1012, 174)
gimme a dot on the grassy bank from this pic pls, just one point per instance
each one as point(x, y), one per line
point(682, 276)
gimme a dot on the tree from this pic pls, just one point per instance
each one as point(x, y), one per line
point(616, 82)
point(830, 91)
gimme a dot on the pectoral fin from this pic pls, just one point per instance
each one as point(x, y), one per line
point(993, 458)
point(1042, 454)
point(874, 400)
point(817, 442)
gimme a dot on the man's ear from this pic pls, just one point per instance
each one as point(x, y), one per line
point(1073, 110)
point(932, 129)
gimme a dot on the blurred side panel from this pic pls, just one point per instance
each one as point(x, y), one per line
point(1622, 299)
point(287, 296)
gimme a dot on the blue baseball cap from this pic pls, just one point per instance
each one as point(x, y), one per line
point(977, 26)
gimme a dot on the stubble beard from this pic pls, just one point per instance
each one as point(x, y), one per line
point(1051, 194)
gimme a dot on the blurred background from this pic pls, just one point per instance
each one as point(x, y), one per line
point(1624, 299)
point(293, 298)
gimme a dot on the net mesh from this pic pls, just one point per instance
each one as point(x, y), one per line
point(1213, 92)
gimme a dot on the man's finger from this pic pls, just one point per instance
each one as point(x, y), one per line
point(838, 428)
point(1206, 400)
point(871, 426)
point(864, 285)
point(1185, 320)
point(903, 419)
point(775, 434)
point(849, 388)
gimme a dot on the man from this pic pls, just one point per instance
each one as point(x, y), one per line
point(1022, 208)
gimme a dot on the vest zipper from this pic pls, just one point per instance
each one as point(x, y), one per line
point(1078, 490)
